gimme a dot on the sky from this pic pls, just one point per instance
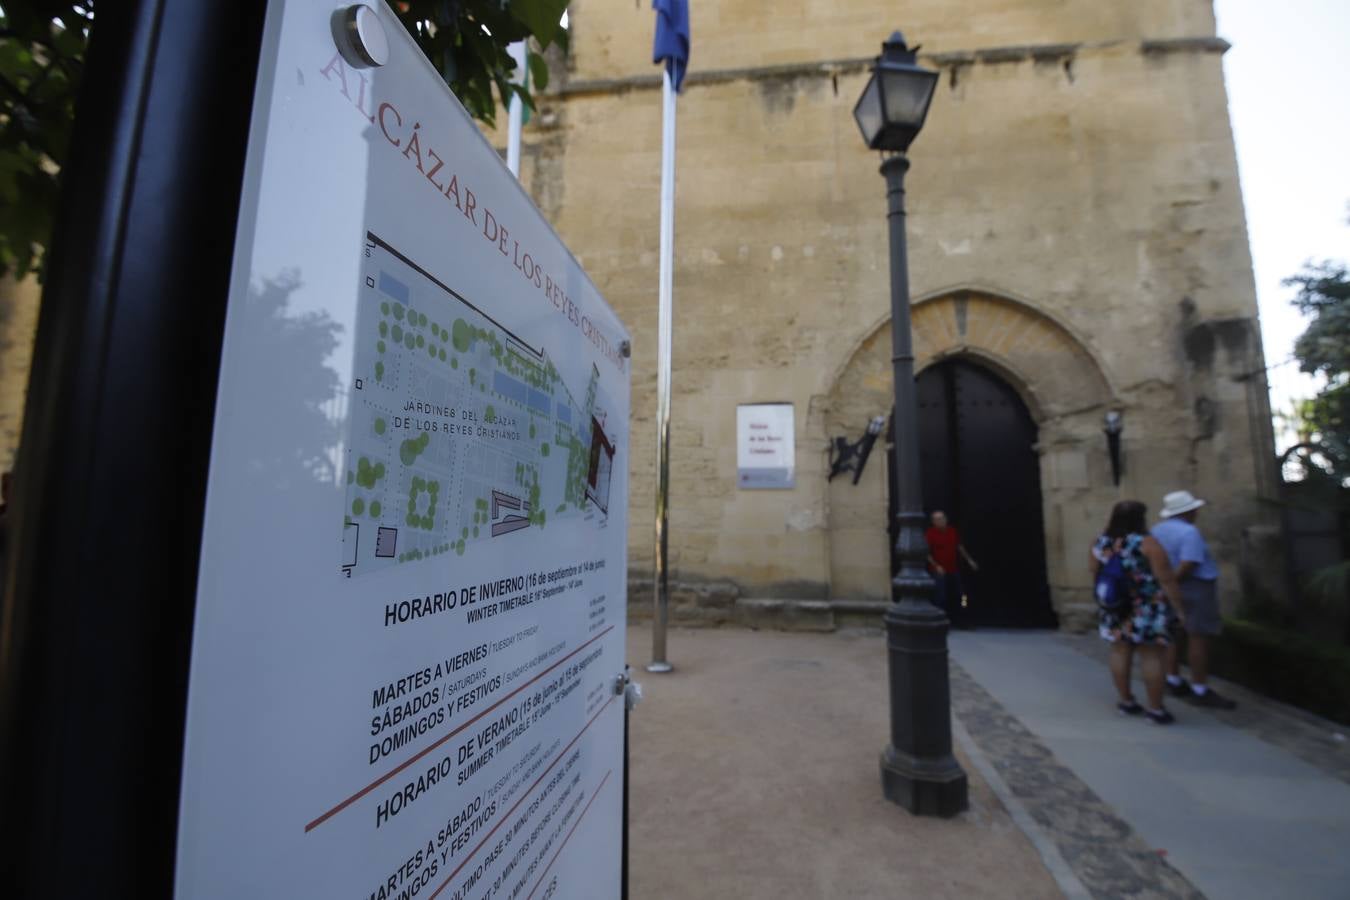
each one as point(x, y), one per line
point(1288, 77)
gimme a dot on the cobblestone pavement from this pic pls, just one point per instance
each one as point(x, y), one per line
point(754, 774)
point(1251, 803)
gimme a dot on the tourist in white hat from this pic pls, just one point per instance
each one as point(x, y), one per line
point(1199, 576)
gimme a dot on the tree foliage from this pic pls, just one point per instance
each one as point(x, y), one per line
point(41, 59)
point(467, 41)
point(1324, 349)
point(1324, 295)
point(42, 49)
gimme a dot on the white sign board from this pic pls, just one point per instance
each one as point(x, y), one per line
point(411, 604)
point(765, 450)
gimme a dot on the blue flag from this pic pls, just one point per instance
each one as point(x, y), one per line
point(672, 38)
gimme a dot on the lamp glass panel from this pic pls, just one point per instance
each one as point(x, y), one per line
point(907, 94)
point(868, 110)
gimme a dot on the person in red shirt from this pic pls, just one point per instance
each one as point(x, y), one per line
point(944, 546)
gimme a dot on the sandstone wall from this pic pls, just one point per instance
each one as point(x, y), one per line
point(18, 325)
point(1075, 185)
point(1075, 224)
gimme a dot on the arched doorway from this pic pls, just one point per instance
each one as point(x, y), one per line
point(979, 464)
point(1061, 382)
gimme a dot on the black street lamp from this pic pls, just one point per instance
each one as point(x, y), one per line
point(918, 770)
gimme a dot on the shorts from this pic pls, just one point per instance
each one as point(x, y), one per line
point(1201, 600)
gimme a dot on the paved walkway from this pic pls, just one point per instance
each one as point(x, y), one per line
point(1251, 804)
point(754, 774)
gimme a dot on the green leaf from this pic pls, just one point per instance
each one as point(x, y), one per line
point(542, 17)
point(42, 56)
point(467, 42)
point(538, 71)
point(446, 66)
point(41, 59)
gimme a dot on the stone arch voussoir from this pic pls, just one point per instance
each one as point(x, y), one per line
point(1053, 370)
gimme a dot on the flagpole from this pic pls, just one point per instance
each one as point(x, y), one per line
point(516, 115)
point(665, 298)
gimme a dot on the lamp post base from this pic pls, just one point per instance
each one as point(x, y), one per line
point(924, 787)
point(918, 770)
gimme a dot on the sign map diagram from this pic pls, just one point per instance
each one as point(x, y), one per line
point(459, 431)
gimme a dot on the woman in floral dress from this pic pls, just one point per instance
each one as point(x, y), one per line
point(1156, 605)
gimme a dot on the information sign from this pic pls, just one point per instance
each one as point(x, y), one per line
point(765, 450)
point(411, 604)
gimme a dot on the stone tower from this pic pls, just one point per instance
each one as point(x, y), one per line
point(1076, 235)
point(1076, 231)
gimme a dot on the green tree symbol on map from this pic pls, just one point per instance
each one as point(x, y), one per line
point(366, 474)
point(462, 337)
point(415, 487)
point(410, 449)
point(429, 520)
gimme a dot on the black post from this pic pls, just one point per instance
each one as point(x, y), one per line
point(918, 770)
point(110, 484)
point(627, 711)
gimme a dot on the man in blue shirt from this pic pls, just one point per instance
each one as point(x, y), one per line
point(1199, 576)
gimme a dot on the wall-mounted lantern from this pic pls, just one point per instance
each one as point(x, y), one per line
point(852, 457)
point(1114, 425)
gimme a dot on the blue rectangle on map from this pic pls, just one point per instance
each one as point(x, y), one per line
point(540, 401)
point(393, 287)
point(509, 387)
point(564, 414)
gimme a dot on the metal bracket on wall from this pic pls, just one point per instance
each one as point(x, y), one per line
point(1114, 426)
point(852, 457)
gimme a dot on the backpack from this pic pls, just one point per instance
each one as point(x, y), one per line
point(1114, 587)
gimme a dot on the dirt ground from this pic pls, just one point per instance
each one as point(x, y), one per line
point(754, 773)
